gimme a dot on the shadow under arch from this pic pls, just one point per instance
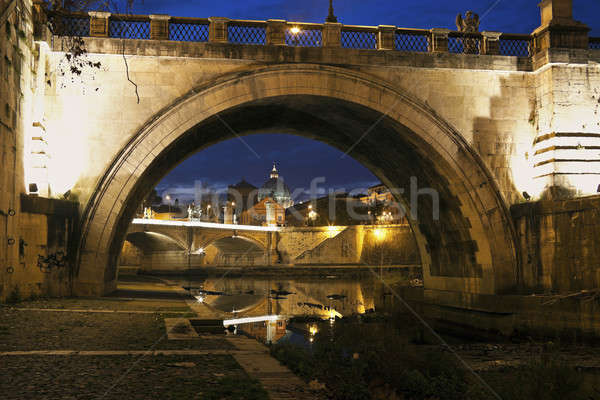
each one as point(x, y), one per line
point(205, 242)
point(235, 250)
point(154, 241)
point(470, 248)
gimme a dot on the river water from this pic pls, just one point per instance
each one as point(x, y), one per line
point(279, 307)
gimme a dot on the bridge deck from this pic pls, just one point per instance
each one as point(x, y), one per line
point(200, 224)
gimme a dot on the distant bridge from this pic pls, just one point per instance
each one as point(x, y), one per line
point(176, 245)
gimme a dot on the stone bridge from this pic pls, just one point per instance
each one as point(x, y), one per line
point(154, 245)
point(516, 119)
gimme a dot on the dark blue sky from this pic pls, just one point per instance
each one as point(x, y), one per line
point(301, 159)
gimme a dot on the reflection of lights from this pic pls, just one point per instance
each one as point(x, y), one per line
point(313, 329)
point(333, 314)
point(199, 251)
point(311, 339)
point(199, 298)
point(248, 320)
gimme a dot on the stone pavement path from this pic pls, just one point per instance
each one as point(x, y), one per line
point(252, 356)
point(277, 379)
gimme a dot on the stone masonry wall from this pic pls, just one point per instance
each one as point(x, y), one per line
point(17, 275)
point(559, 245)
point(487, 99)
point(130, 255)
point(389, 246)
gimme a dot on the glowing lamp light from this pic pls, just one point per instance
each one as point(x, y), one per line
point(199, 298)
point(379, 234)
point(295, 30)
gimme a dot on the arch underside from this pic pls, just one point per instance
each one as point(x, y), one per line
point(470, 247)
point(152, 242)
point(235, 251)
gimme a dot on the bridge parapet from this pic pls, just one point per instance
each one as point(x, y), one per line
point(294, 34)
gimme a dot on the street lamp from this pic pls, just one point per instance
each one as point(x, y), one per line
point(331, 17)
point(168, 198)
point(295, 31)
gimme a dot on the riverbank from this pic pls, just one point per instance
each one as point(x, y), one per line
point(119, 347)
point(392, 358)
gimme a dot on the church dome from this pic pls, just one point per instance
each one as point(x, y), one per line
point(276, 189)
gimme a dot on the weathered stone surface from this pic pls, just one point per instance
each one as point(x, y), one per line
point(559, 245)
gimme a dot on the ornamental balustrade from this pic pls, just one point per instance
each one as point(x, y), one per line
point(293, 34)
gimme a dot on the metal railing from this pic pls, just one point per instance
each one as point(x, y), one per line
point(188, 29)
point(296, 34)
point(76, 24)
point(516, 45)
point(412, 40)
point(595, 43)
point(359, 37)
point(247, 32)
point(464, 43)
point(304, 35)
point(129, 27)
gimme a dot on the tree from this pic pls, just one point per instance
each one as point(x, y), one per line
point(76, 55)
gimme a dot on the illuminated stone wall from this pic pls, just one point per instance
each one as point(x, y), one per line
point(560, 245)
point(488, 100)
point(130, 255)
point(18, 276)
point(389, 246)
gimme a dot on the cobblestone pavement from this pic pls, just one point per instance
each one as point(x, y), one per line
point(118, 377)
point(116, 348)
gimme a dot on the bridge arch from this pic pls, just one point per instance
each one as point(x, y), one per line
point(204, 242)
point(470, 248)
point(154, 241)
point(235, 250)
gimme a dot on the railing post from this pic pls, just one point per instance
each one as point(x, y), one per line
point(439, 40)
point(99, 23)
point(490, 43)
point(558, 29)
point(159, 26)
point(386, 39)
point(276, 32)
point(40, 21)
point(332, 34)
point(217, 30)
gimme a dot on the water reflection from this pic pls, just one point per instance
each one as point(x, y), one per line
point(272, 308)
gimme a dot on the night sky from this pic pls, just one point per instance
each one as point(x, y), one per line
point(300, 160)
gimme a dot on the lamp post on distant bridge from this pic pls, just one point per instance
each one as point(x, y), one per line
point(331, 17)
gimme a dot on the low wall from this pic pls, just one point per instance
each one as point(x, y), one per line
point(559, 245)
point(483, 316)
point(47, 230)
point(360, 244)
